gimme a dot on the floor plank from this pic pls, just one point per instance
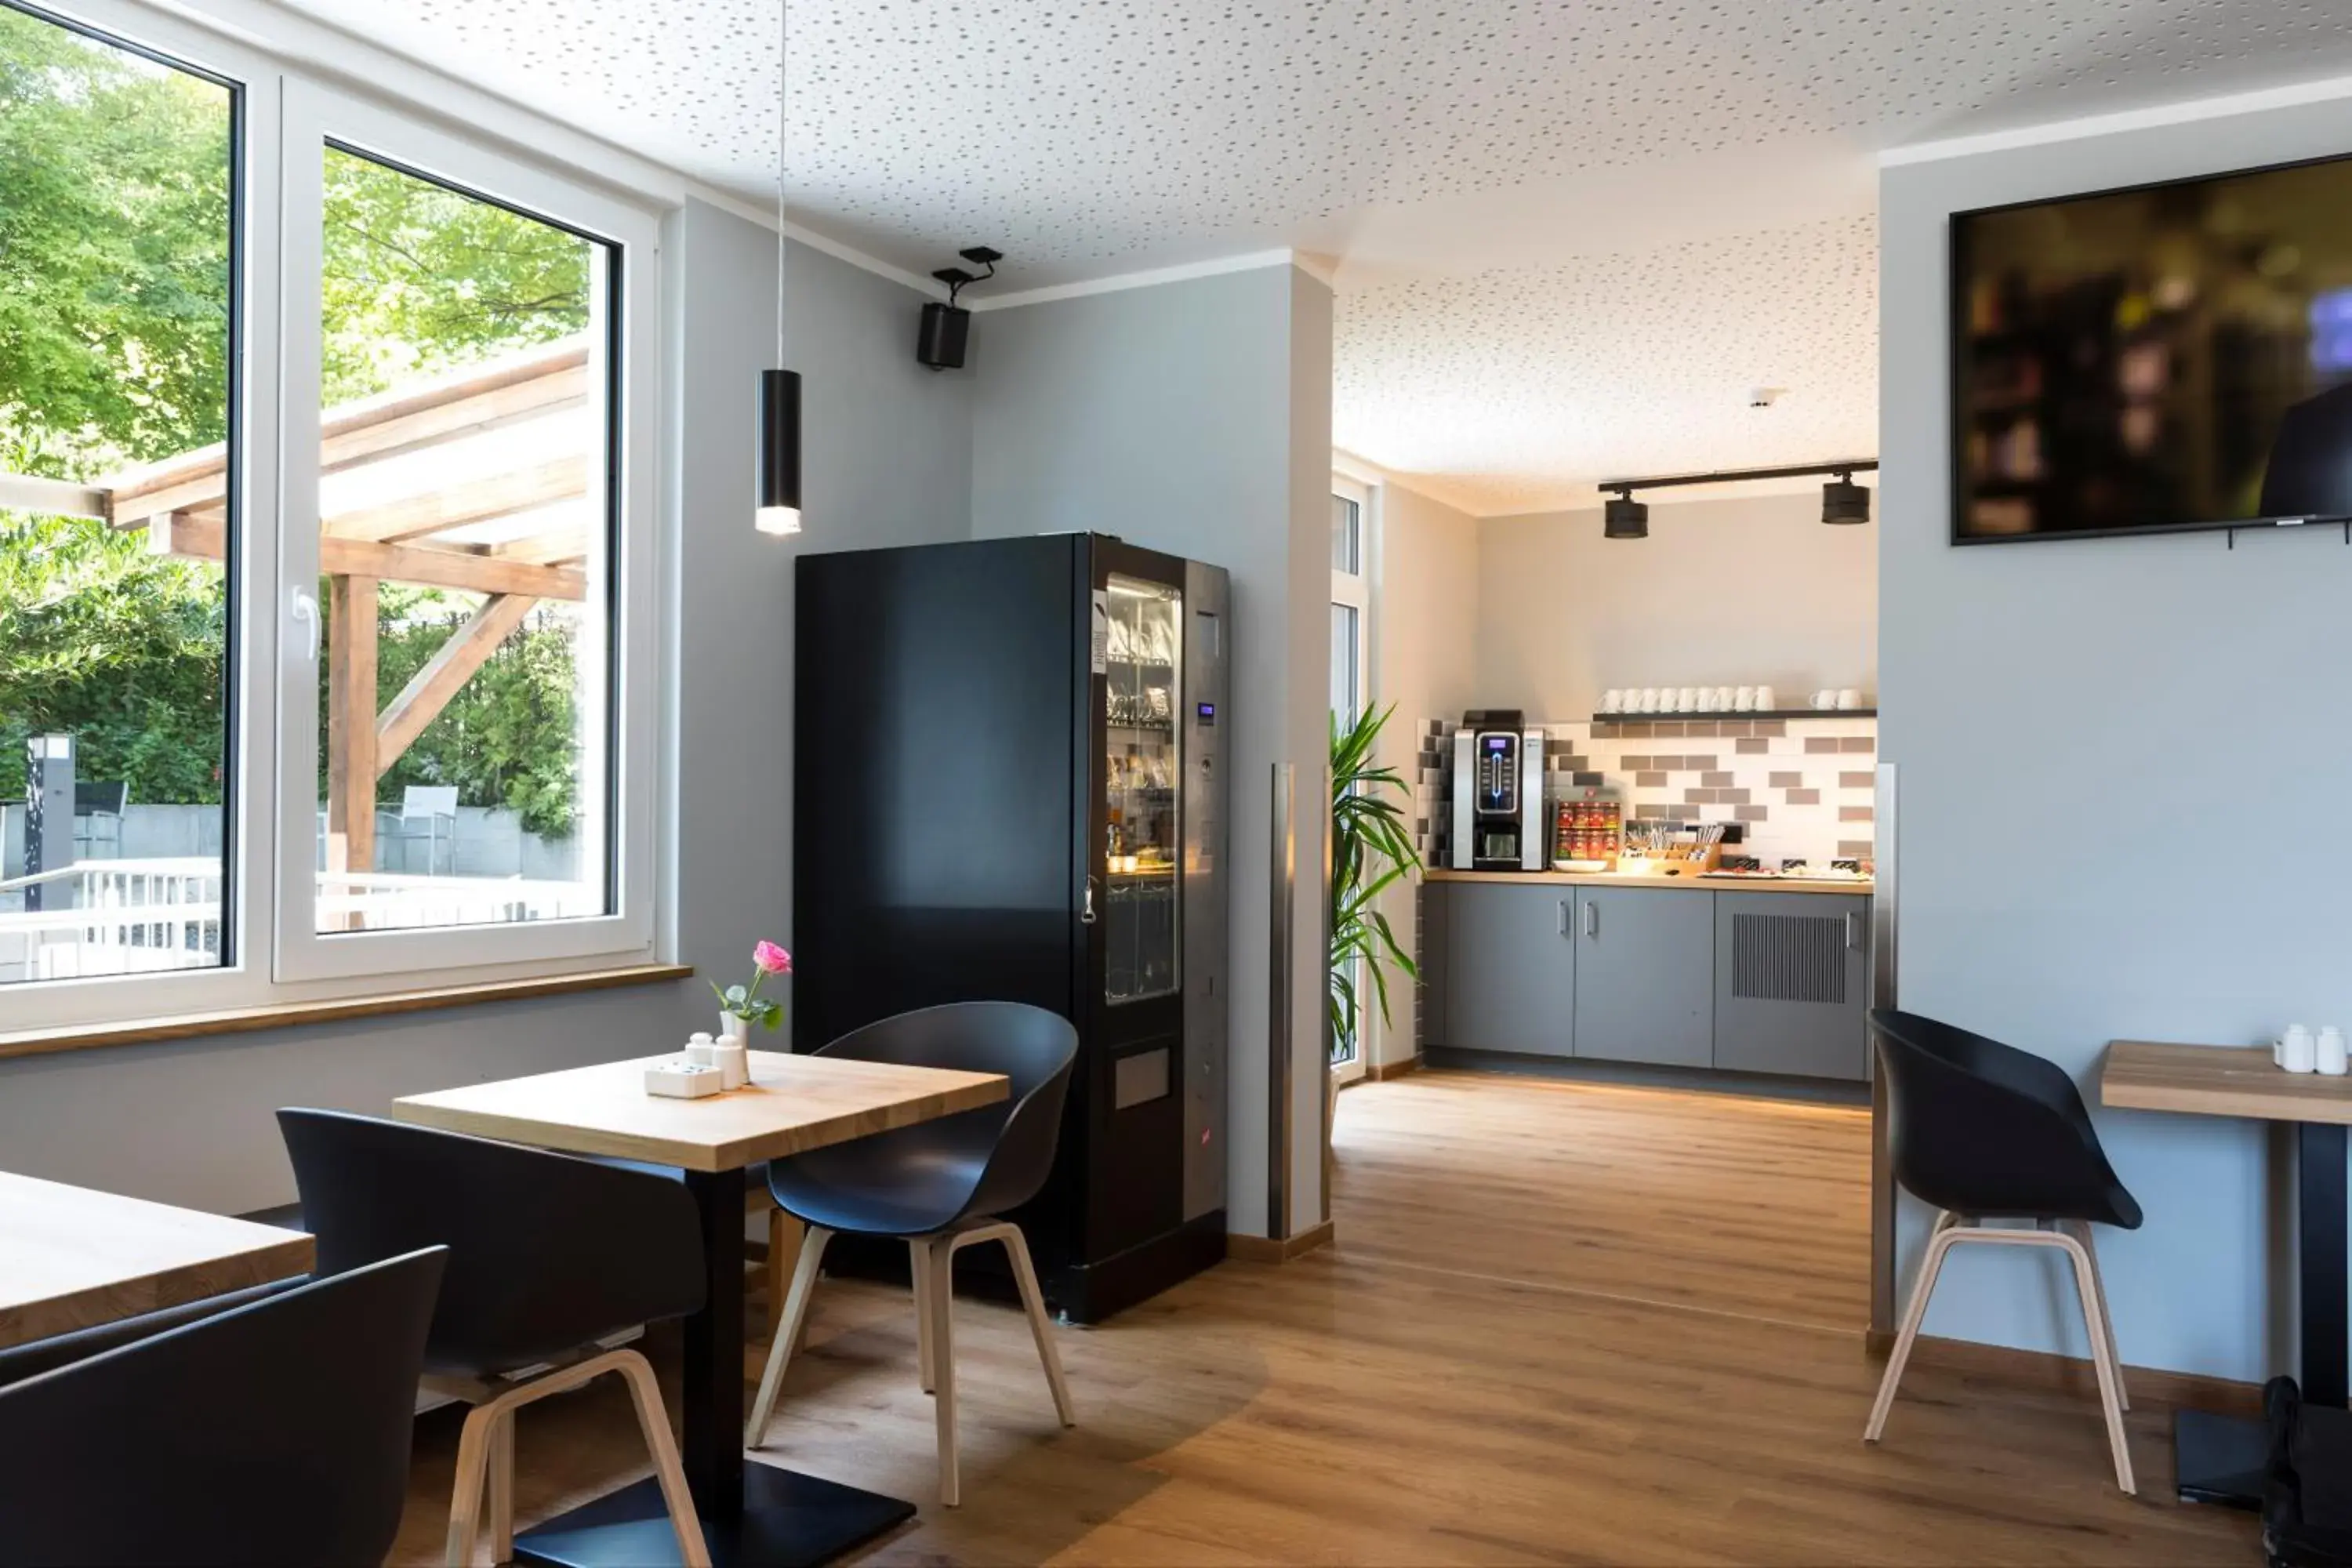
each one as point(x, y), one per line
point(1498, 1364)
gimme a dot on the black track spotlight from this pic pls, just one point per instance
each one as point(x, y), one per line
point(1843, 501)
point(1625, 518)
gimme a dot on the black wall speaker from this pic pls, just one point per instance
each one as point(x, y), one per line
point(946, 330)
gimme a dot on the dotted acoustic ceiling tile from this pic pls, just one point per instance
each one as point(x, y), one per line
point(1088, 137)
point(1525, 386)
point(1113, 133)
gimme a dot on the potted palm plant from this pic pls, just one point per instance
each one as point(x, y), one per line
point(1371, 851)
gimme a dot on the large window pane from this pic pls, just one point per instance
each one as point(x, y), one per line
point(465, 529)
point(116, 246)
point(1347, 531)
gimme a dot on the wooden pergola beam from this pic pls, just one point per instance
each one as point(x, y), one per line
point(475, 501)
point(469, 571)
point(440, 568)
point(350, 723)
point(430, 689)
point(527, 388)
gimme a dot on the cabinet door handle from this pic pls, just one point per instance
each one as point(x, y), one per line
point(1592, 919)
point(1853, 929)
point(1563, 917)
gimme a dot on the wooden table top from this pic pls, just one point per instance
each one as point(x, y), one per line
point(2219, 1080)
point(792, 1104)
point(71, 1257)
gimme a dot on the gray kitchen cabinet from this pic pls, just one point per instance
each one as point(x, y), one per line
point(1510, 968)
point(1645, 976)
point(1792, 984)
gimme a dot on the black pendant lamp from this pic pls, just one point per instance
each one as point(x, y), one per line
point(779, 496)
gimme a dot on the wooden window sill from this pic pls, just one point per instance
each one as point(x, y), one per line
point(289, 1015)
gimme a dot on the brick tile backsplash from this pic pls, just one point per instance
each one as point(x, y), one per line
point(1801, 788)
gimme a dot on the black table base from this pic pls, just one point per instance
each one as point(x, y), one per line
point(753, 1515)
point(787, 1520)
point(2222, 1458)
point(2219, 1460)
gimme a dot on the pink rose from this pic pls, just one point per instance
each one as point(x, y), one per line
point(769, 959)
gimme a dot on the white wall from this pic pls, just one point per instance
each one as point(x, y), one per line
point(2083, 732)
point(888, 462)
point(1425, 606)
point(1743, 592)
point(1195, 418)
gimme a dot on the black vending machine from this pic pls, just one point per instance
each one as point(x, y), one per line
point(1009, 784)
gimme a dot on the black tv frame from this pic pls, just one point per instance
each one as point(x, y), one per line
point(1955, 319)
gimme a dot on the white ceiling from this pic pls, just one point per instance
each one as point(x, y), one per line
point(1505, 186)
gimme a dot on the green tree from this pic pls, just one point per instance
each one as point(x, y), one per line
point(416, 277)
point(117, 648)
point(114, 254)
point(115, 257)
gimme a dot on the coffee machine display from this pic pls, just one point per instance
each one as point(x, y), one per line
point(1498, 794)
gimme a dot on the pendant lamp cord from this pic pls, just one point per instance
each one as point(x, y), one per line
point(784, 45)
point(784, 41)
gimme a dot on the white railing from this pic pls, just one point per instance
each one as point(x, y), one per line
point(382, 900)
point(133, 917)
point(110, 917)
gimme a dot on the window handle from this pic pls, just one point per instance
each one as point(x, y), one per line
point(306, 610)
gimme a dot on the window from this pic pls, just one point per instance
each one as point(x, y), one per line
point(118, 330)
point(327, 540)
point(464, 560)
point(1351, 615)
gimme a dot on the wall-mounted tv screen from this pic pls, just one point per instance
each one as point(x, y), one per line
point(2177, 356)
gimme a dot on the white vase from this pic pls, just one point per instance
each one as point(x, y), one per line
point(735, 1029)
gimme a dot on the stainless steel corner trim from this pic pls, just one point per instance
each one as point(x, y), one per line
point(1282, 913)
point(1885, 926)
point(1886, 891)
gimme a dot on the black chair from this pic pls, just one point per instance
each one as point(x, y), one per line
point(276, 1432)
point(547, 1255)
point(939, 1185)
point(1986, 1131)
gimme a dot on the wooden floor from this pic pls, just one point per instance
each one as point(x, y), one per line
point(1499, 1362)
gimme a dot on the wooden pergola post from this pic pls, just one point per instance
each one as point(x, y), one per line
point(351, 724)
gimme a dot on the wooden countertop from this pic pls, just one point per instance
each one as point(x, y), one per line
point(2219, 1080)
point(1851, 886)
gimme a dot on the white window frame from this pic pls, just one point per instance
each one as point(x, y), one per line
point(267, 874)
point(314, 116)
point(1354, 589)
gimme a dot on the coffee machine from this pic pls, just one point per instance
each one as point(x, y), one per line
point(1498, 794)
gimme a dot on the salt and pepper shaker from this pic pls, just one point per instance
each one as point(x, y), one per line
point(2328, 1054)
point(732, 1061)
point(2296, 1051)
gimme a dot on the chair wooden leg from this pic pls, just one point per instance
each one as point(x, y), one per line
point(919, 1254)
point(940, 1274)
point(501, 1523)
point(2106, 1313)
point(693, 1550)
point(788, 1333)
point(1939, 1243)
point(783, 1255)
point(2095, 1323)
point(475, 1441)
point(1041, 1328)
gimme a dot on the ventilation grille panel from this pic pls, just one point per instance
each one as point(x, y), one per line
point(1788, 958)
